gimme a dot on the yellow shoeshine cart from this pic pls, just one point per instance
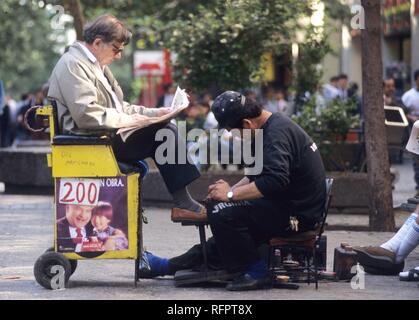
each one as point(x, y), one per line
point(97, 206)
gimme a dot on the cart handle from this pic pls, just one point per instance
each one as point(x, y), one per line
point(26, 122)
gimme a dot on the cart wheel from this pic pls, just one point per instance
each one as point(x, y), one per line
point(73, 263)
point(43, 269)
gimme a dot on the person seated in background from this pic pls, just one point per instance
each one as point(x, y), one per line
point(389, 257)
point(330, 90)
point(195, 114)
point(391, 99)
point(389, 93)
point(207, 100)
point(353, 95)
point(279, 104)
point(250, 94)
point(2, 97)
point(342, 85)
point(410, 100)
point(91, 102)
point(166, 98)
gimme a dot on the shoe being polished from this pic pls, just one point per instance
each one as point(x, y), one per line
point(183, 215)
point(377, 260)
point(246, 282)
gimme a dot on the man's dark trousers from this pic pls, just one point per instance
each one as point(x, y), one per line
point(142, 144)
point(239, 229)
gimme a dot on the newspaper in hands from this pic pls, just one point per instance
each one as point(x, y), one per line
point(180, 102)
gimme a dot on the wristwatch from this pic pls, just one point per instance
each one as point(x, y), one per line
point(230, 195)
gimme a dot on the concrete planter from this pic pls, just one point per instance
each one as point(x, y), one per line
point(25, 171)
point(155, 191)
point(343, 156)
point(350, 190)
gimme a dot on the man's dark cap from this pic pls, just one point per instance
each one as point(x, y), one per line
point(227, 109)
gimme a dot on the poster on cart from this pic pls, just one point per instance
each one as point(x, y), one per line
point(91, 214)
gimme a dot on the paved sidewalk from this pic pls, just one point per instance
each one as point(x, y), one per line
point(26, 230)
point(25, 234)
point(405, 185)
point(9, 202)
point(404, 189)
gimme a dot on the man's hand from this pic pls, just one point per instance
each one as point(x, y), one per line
point(218, 191)
point(163, 111)
point(135, 120)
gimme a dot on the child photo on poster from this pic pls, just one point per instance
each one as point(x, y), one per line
point(110, 237)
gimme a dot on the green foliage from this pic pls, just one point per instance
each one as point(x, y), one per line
point(163, 10)
point(338, 117)
point(28, 50)
point(309, 120)
point(329, 128)
point(330, 124)
point(221, 47)
point(307, 69)
point(338, 11)
point(219, 43)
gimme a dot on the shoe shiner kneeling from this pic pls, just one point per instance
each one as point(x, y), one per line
point(388, 258)
point(290, 183)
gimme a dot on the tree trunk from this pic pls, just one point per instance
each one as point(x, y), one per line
point(77, 13)
point(381, 202)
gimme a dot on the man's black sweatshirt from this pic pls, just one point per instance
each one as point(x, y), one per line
point(293, 175)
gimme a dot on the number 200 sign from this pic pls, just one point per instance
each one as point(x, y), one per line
point(79, 191)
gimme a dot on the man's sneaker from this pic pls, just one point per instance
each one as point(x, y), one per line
point(378, 260)
point(246, 282)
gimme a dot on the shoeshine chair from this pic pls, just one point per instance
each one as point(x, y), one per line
point(303, 246)
point(89, 157)
point(204, 275)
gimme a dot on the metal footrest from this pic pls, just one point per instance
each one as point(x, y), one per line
point(193, 223)
point(189, 277)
